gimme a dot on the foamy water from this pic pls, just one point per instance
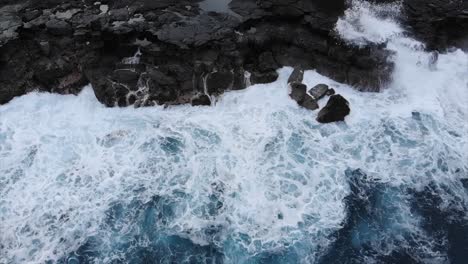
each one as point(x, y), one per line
point(253, 179)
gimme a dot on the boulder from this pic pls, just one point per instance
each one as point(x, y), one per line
point(319, 91)
point(337, 109)
point(299, 94)
point(309, 103)
point(298, 91)
point(296, 76)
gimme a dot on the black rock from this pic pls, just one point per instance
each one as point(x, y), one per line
point(296, 76)
point(309, 103)
point(440, 24)
point(53, 44)
point(337, 109)
point(299, 94)
point(331, 92)
point(218, 82)
point(319, 91)
point(45, 47)
point(266, 62)
point(200, 99)
point(127, 76)
point(298, 91)
point(263, 77)
point(58, 27)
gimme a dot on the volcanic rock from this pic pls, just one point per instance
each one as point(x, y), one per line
point(309, 103)
point(299, 94)
point(319, 91)
point(163, 52)
point(337, 109)
point(296, 76)
point(200, 99)
point(298, 91)
point(440, 24)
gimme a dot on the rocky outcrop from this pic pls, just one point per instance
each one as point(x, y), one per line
point(142, 53)
point(337, 109)
point(440, 24)
point(299, 94)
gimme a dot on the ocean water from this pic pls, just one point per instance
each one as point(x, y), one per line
point(253, 179)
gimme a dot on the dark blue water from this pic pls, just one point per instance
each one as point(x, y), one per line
point(374, 231)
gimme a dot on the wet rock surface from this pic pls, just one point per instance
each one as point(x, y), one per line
point(319, 91)
point(337, 109)
point(440, 24)
point(299, 94)
point(147, 53)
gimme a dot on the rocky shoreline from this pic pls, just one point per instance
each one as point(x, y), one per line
point(144, 53)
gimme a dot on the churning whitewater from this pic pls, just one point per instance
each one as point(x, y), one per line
point(253, 179)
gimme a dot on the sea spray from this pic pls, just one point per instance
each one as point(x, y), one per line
point(253, 179)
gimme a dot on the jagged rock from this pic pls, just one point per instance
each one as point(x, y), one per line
point(200, 99)
point(337, 109)
point(179, 46)
point(10, 21)
point(319, 91)
point(440, 24)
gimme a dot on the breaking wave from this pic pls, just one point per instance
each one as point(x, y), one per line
point(253, 179)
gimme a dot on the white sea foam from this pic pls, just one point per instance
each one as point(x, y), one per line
point(64, 160)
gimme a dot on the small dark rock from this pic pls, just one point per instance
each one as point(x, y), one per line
point(298, 91)
point(200, 99)
point(309, 103)
point(319, 91)
point(330, 92)
point(296, 76)
point(335, 110)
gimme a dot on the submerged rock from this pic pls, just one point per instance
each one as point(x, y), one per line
point(337, 109)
